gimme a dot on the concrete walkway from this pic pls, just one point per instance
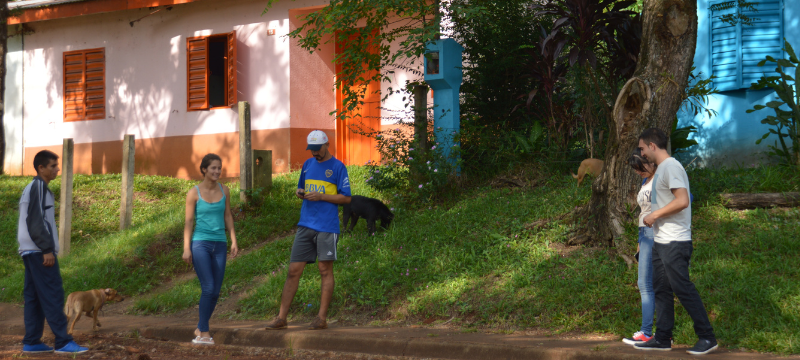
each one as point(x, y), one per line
point(413, 342)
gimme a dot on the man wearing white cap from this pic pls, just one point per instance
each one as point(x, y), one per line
point(323, 185)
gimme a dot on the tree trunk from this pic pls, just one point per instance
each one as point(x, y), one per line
point(761, 200)
point(3, 51)
point(651, 98)
point(420, 126)
point(421, 118)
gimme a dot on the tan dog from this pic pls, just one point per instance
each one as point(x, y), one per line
point(89, 302)
point(588, 166)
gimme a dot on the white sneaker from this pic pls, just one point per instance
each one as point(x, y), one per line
point(637, 338)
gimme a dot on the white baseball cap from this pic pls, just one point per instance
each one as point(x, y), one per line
point(316, 139)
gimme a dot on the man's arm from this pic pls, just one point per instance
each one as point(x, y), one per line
point(680, 202)
point(338, 199)
point(38, 229)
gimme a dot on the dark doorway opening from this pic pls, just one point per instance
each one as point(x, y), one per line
point(217, 74)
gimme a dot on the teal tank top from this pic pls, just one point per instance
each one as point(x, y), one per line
point(209, 219)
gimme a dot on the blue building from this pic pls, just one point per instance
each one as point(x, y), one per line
point(731, 52)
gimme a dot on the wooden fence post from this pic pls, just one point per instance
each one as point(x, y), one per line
point(65, 210)
point(245, 147)
point(126, 202)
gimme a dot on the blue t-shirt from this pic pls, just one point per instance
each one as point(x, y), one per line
point(327, 177)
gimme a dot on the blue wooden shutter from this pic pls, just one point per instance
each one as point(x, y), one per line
point(724, 51)
point(761, 39)
point(737, 49)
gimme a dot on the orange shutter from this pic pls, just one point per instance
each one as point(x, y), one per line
point(197, 73)
point(95, 84)
point(232, 89)
point(74, 66)
point(84, 85)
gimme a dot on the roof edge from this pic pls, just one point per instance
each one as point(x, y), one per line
point(64, 9)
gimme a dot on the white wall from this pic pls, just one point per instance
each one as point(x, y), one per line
point(146, 71)
point(12, 118)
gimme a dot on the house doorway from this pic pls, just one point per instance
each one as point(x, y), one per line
point(354, 148)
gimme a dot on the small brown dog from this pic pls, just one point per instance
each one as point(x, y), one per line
point(89, 302)
point(588, 166)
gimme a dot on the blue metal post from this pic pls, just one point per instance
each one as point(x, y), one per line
point(443, 74)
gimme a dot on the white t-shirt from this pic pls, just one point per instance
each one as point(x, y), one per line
point(643, 198)
point(677, 227)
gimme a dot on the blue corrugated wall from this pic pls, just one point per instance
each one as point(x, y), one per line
point(733, 51)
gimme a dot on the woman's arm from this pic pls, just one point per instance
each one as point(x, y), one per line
point(229, 221)
point(188, 225)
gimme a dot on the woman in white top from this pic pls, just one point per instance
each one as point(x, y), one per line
point(645, 169)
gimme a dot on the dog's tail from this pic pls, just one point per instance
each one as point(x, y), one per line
point(573, 175)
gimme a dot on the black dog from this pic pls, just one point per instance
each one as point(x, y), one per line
point(368, 208)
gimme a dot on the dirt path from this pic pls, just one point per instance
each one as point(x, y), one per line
point(170, 337)
point(126, 347)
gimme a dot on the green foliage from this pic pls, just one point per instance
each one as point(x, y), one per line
point(785, 121)
point(601, 40)
point(495, 42)
point(742, 6)
point(256, 196)
point(586, 26)
point(679, 138)
point(698, 91)
point(419, 174)
point(367, 28)
point(533, 142)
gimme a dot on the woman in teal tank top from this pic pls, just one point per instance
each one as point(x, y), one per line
point(205, 246)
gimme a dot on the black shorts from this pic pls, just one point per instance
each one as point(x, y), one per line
point(310, 245)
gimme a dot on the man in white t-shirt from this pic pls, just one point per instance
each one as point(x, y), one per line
point(671, 219)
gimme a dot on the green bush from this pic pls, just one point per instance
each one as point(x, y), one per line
point(419, 174)
point(784, 122)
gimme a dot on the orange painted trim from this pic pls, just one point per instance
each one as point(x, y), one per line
point(60, 11)
point(185, 154)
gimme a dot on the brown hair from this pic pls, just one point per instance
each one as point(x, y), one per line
point(637, 161)
point(206, 162)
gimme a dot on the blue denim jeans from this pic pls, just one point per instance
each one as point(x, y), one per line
point(646, 278)
point(44, 300)
point(208, 258)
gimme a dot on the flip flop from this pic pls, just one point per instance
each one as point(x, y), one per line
point(203, 340)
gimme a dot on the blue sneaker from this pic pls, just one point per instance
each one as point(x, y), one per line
point(72, 348)
point(38, 348)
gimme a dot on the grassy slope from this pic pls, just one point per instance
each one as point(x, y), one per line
point(102, 256)
point(475, 261)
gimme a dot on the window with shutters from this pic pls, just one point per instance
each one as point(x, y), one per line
point(84, 85)
point(737, 48)
point(211, 71)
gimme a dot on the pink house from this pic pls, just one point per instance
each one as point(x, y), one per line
point(170, 72)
